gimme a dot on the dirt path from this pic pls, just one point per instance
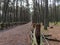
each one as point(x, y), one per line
point(55, 32)
point(16, 36)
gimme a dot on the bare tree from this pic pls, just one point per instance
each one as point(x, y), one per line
point(46, 23)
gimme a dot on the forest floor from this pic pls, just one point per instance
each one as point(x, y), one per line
point(16, 36)
point(19, 35)
point(55, 34)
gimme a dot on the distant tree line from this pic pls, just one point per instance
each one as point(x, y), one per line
point(45, 12)
point(12, 12)
point(15, 11)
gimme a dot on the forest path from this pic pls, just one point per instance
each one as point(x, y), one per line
point(16, 36)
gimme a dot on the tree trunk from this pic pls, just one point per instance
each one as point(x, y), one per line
point(46, 23)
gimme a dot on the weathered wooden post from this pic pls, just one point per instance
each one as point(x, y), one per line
point(37, 33)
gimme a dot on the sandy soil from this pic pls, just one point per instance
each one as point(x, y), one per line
point(16, 36)
point(55, 32)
